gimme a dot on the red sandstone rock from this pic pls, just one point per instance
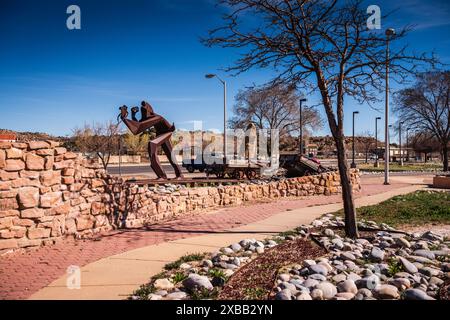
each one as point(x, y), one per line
point(34, 145)
point(32, 213)
point(28, 197)
point(34, 162)
point(14, 165)
point(38, 233)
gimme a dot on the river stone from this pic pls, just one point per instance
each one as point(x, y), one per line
point(416, 294)
point(163, 284)
point(339, 277)
point(207, 263)
point(235, 247)
point(428, 271)
point(329, 290)
point(425, 253)
point(347, 286)
point(402, 242)
point(227, 250)
point(408, 266)
point(328, 233)
point(318, 277)
point(317, 294)
point(288, 286)
point(400, 283)
point(176, 295)
point(345, 295)
point(347, 256)
point(353, 276)
point(195, 281)
point(284, 277)
point(386, 291)
point(185, 266)
point(304, 296)
point(376, 254)
point(366, 293)
point(436, 281)
point(309, 283)
point(308, 263)
point(283, 295)
point(318, 269)
point(153, 296)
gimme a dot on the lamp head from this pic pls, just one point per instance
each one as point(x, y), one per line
point(378, 118)
point(390, 32)
point(209, 76)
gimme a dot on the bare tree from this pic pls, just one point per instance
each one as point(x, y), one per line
point(425, 107)
point(316, 45)
point(136, 144)
point(365, 143)
point(273, 107)
point(101, 139)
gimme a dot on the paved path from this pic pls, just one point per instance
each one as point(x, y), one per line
point(119, 263)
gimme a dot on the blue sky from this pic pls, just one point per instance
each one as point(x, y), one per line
point(53, 79)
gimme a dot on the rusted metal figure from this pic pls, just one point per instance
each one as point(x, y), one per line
point(163, 130)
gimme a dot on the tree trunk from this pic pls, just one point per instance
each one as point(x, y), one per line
point(445, 152)
point(351, 228)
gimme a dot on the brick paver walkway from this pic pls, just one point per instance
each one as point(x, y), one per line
point(22, 274)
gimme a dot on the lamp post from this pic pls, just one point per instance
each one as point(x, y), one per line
point(407, 144)
point(210, 76)
point(376, 142)
point(400, 141)
point(301, 126)
point(389, 32)
point(353, 147)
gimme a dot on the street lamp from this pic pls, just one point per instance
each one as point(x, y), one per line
point(210, 76)
point(376, 142)
point(353, 157)
point(407, 144)
point(301, 125)
point(389, 32)
point(400, 141)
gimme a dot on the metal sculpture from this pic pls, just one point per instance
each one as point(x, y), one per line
point(163, 130)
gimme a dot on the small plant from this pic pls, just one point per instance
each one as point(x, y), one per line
point(178, 277)
point(160, 275)
point(217, 273)
point(394, 267)
point(187, 258)
point(288, 233)
point(144, 291)
point(204, 294)
point(254, 293)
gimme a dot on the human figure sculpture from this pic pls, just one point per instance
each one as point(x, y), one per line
point(163, 130)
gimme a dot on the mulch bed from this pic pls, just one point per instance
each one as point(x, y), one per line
point(256, 280)
point(444, 292)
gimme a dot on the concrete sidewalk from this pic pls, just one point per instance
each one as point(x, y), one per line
point(117, 276)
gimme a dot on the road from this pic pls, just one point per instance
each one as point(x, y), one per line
point(144, 171)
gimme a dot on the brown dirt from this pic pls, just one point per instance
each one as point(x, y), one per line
point(256, 280)
point(444, 292)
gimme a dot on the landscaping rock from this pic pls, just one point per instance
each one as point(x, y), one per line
point(408, 266)
point(416, 294)
point(386, 291)
point(195, 281)
point(329, 290)
point(283, 295)
point(163, 284)
point(347, 286)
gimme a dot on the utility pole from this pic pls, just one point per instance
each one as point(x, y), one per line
point(377, 164)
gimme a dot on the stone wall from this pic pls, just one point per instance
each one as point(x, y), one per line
point(47, 192)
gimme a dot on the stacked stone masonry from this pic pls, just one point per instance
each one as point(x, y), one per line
point(47, 192)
